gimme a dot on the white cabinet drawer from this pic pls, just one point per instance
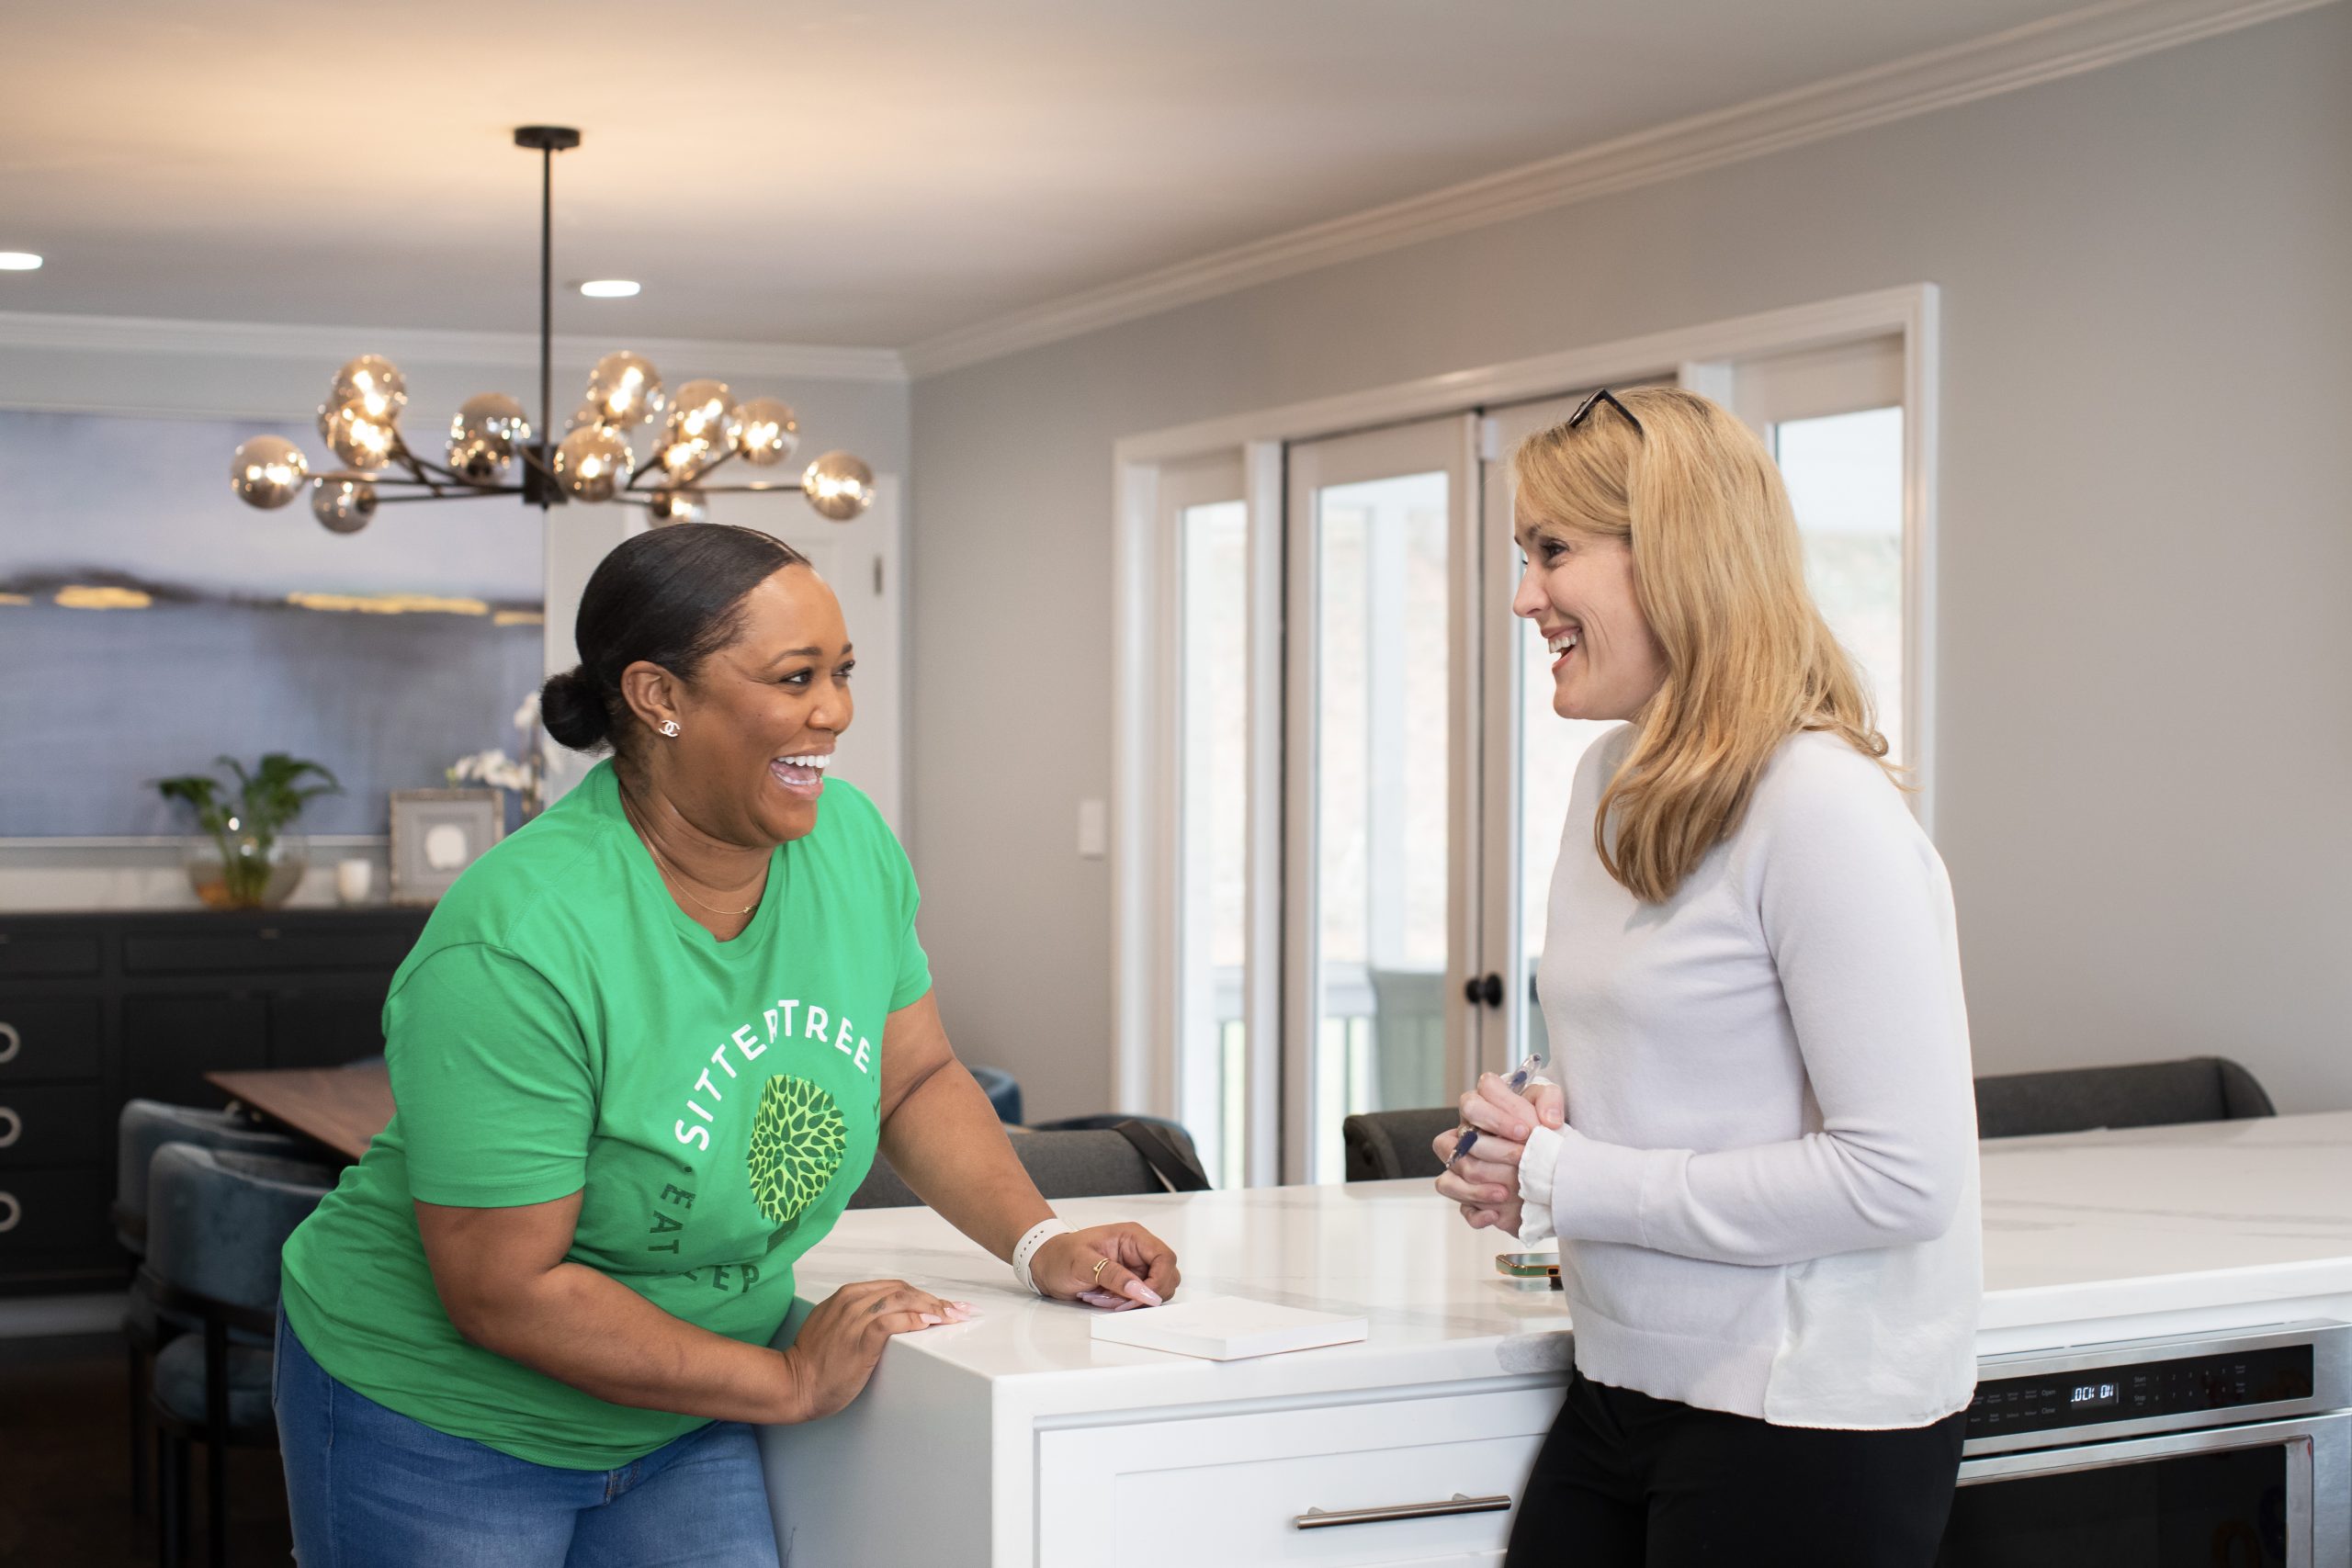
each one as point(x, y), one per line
point(1229, 1490)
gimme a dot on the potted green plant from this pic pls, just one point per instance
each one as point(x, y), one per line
point(250, 858)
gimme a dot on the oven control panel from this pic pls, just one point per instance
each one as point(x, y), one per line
point(2137, 1390)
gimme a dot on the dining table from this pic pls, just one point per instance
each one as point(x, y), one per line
point(343, 1107)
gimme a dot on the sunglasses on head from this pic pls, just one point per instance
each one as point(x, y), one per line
point(1600, 395)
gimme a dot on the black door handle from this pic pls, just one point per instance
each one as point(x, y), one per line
point(1483, 989)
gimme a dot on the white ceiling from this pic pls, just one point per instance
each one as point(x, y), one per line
point(821, 171)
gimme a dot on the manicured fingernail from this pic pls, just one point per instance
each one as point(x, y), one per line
point(932, 1320)
point(1550, 1116)
point(1137, 1291)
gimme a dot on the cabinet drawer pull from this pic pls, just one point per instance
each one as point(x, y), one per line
point(10, 1211)
point(1322, 1519)
point(12, 1127)
point(10, 1041)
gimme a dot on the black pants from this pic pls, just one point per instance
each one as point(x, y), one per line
point(1626, 1481)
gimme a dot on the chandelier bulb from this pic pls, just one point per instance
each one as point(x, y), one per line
point(838, 485)
point(267, 471)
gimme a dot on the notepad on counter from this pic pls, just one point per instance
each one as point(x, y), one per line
point(1227, 1329)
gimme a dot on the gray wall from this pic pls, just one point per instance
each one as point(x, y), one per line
point(2146, 698)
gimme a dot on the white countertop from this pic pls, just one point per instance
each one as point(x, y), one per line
point(2087, 1236)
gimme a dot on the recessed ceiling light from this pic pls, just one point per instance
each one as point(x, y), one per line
point(609, 288)
point(25, 261)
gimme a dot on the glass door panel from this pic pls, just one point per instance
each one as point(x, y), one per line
point(1378, 614)
point(1532, 755)
point(1845, 477)
point(1213, 757)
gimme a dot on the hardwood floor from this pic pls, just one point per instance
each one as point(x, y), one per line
point(65, 1477)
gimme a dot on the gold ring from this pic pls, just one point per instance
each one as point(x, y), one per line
point(1100, 1264)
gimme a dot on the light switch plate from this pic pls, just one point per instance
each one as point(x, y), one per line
point(1093, 829)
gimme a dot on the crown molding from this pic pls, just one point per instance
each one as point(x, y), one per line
point(271, 340)
point(2056, 47)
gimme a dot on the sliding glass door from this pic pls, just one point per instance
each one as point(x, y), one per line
point(1381, 714)
point(1365, 788)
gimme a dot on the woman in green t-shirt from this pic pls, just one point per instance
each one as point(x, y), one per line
point(643, 1052)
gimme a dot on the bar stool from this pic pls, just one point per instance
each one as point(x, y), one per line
point(144, 1126)
point(218, 1221)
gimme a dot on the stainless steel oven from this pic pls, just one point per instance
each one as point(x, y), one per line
point(2220, 1452)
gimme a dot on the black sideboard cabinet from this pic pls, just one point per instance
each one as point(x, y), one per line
point(98, 1009)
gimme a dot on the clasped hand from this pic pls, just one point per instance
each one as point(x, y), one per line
point(1485, 1180)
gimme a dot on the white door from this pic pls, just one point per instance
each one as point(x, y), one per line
point(1380, 783)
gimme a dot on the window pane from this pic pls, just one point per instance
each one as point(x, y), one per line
point(1381, 752)
point(1214, 759)
point(1845, 479)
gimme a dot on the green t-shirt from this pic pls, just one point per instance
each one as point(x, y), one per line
point(562, 1027)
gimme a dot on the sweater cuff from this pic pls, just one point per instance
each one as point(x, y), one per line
point(1595, 1189)
point(1535, 1162)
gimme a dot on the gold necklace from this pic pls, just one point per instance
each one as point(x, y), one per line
point(676, 881)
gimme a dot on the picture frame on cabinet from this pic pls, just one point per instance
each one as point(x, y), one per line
point(435, 834)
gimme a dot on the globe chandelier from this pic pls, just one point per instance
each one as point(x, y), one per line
point(492, 449)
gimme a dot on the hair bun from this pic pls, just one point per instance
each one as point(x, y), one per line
point(575, 715)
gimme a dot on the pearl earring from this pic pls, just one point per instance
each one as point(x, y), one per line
point(670, 727)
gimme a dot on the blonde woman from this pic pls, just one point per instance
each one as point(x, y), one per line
point(1760, 1156)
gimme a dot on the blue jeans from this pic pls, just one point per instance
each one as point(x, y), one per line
point(369, 1487)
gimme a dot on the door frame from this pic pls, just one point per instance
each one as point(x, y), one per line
point(1699, 356)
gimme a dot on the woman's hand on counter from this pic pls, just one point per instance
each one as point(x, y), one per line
point(835, 1351)
point(1116, 1266)
point(1484, 1179)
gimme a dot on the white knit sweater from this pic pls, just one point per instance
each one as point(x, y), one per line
point(1767, 1190)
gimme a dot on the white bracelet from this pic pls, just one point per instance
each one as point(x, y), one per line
point(1026, 1248)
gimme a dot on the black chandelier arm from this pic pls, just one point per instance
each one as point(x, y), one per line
point(468, 494)
point(691, 481)
point(757, 487)
point(719, 462)
point(454, 488)
point(426, 473)
point(537, 456)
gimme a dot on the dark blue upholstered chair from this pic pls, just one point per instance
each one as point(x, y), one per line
point(217, 1222)
point(144, 1126)
point(1003, 1092)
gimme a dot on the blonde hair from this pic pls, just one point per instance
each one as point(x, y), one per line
point(1719, 574)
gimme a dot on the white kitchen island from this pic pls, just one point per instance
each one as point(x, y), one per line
point(1016, 1440)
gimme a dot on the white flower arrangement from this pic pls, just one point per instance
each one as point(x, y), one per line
point(526, 776)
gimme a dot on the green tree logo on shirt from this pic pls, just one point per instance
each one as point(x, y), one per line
point(798, 1143)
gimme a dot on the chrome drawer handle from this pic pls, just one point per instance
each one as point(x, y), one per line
point(10, 1041)
point(12, 1127)
point(1323, 1519)
point(10, 1211)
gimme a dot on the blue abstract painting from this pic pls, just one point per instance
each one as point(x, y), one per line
point(151, 621)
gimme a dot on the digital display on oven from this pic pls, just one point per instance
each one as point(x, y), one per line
point(2140, 1390)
